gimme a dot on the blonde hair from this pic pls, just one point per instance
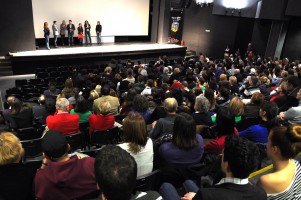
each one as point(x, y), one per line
point(11, 149)
point(98, 89)
point(232, 80)
point(104, 107)
point(237, 106)
point(264, 80)
point(93, 94)
point(223, 77)
point(108, 70)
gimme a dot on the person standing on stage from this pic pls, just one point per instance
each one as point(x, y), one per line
point(70, 29)
point(63, 29)
point(46, 34)
point(80, 34)
point(87, 31)
point(55, 33)
point(98, 32)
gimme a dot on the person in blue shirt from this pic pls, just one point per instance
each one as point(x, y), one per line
point(259, 133)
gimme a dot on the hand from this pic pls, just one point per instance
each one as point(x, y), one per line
point(154, 124)
point(281, 116)
point(188, 196)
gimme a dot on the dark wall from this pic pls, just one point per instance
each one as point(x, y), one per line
point(233, 31)
point(292, 43)
point(293, 8)
point(271, 9)
point(17, 32)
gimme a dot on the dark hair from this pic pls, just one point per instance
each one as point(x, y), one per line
point(16, 106)
point(209, 94)
point(184, 134)
point(134, 131)
point(81, 105)
point(105, 90)
point(288, 139)
point(225, 121)
point(178, 95)
point(115, 172)
point(140, 103)
point(157, 94)
point(150, 83)
point(242, 156)
point(50, 105)
point(225, 92)
point(270, 108)
point(257, 98)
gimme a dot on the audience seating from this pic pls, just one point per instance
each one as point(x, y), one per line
point(151, 181)
point(76, 141)
point(32, 148)
point(110, 136)
point(27, 133)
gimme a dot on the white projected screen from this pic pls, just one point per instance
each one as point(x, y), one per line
point(117, 17)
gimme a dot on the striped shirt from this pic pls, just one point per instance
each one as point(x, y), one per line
point(294, 189)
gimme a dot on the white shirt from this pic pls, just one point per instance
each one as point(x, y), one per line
point(147, 91)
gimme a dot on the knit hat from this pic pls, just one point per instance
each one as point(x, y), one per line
point(54, 144)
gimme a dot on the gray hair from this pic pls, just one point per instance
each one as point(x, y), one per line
point(62, 104)
point(170, 105)
point(202, 104)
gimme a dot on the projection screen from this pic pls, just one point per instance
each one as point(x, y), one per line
point(117, 17)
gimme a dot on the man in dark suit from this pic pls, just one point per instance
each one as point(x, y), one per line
point(239, 159)
point(70, 29)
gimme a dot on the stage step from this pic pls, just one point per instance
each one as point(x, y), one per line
point(5, 66)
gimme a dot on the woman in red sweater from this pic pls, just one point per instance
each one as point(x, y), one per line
point(103, 121)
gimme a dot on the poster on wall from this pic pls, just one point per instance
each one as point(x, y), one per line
point(176, 26)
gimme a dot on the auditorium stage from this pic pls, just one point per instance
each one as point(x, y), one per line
point(26, 62)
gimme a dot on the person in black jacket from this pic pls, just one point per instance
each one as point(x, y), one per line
point(46, 34)
point(239, 159)
point(98, 32)
point(87, 27)
point(80, 31)
point(70, 29)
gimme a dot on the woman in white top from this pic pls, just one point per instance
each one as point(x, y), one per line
point(137, 143)
point(130, 76)
point(284, 143)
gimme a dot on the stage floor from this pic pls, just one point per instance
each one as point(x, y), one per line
point(107, 48)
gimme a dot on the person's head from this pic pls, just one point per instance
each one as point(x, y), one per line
point(105, 90)
point(170, 105)
point(130, 73)
point(268, 111)
point(225, 121)
point(140, 103)
point(284, 142)
point(223, 77)
point(68, 83)
point(240, 157)
point(108, 70)
point(232, 80)
point(11, 150)
point(209, 94)
point(202, 104)
point(184, 134)
point(70, 21)
point(81, 105)
point(86, 22)
point(10, 100)
point(50, 105)
point(80, 24)
point(64, 22)
point(42, 99)
point(93, 94)
point(134, 131)
point(62, 104)
point(150, 83)
point(132, 92)
point(157, 94)
point(264, 80)
point(237, 106)
point(116, 177)
point(98, 22)
point(104, 107)
point(253, 80)
point(45, 24)
point(55, 146)
point(257, 98)
point(16, 106)
point(54, 22)
point(224, 92)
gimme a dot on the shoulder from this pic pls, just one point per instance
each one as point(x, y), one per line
point(267, 182)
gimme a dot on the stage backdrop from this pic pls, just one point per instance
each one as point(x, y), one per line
point(118, 17)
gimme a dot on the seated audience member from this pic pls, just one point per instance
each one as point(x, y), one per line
point(164, 126)
point(63, 121)
point(225, 121)
point(15, 178)
point(186, 147)
point(130, 76)
point(239, 159)
point(74, 96)
point(252, 87)
point(114, 101)
point(251, 109)
point(104, 120)
point(137, 143)
point(63, 177)
point(116, 177)
point(148, 88)
point(20, 117)
point(259, 133)
point(52, 91)
point(81, 109)
point(68, 88)
point(6, 112)
point(93, 95)
point(202, 114)
point(40, 112)
point(140, 105)
point(223, 98)
point(233, 85)
point(237, 107)
point(284, 182)
point(158, 97)
point(264, 86)
point(127, 105)
point(293, 115)
point(209, 94)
